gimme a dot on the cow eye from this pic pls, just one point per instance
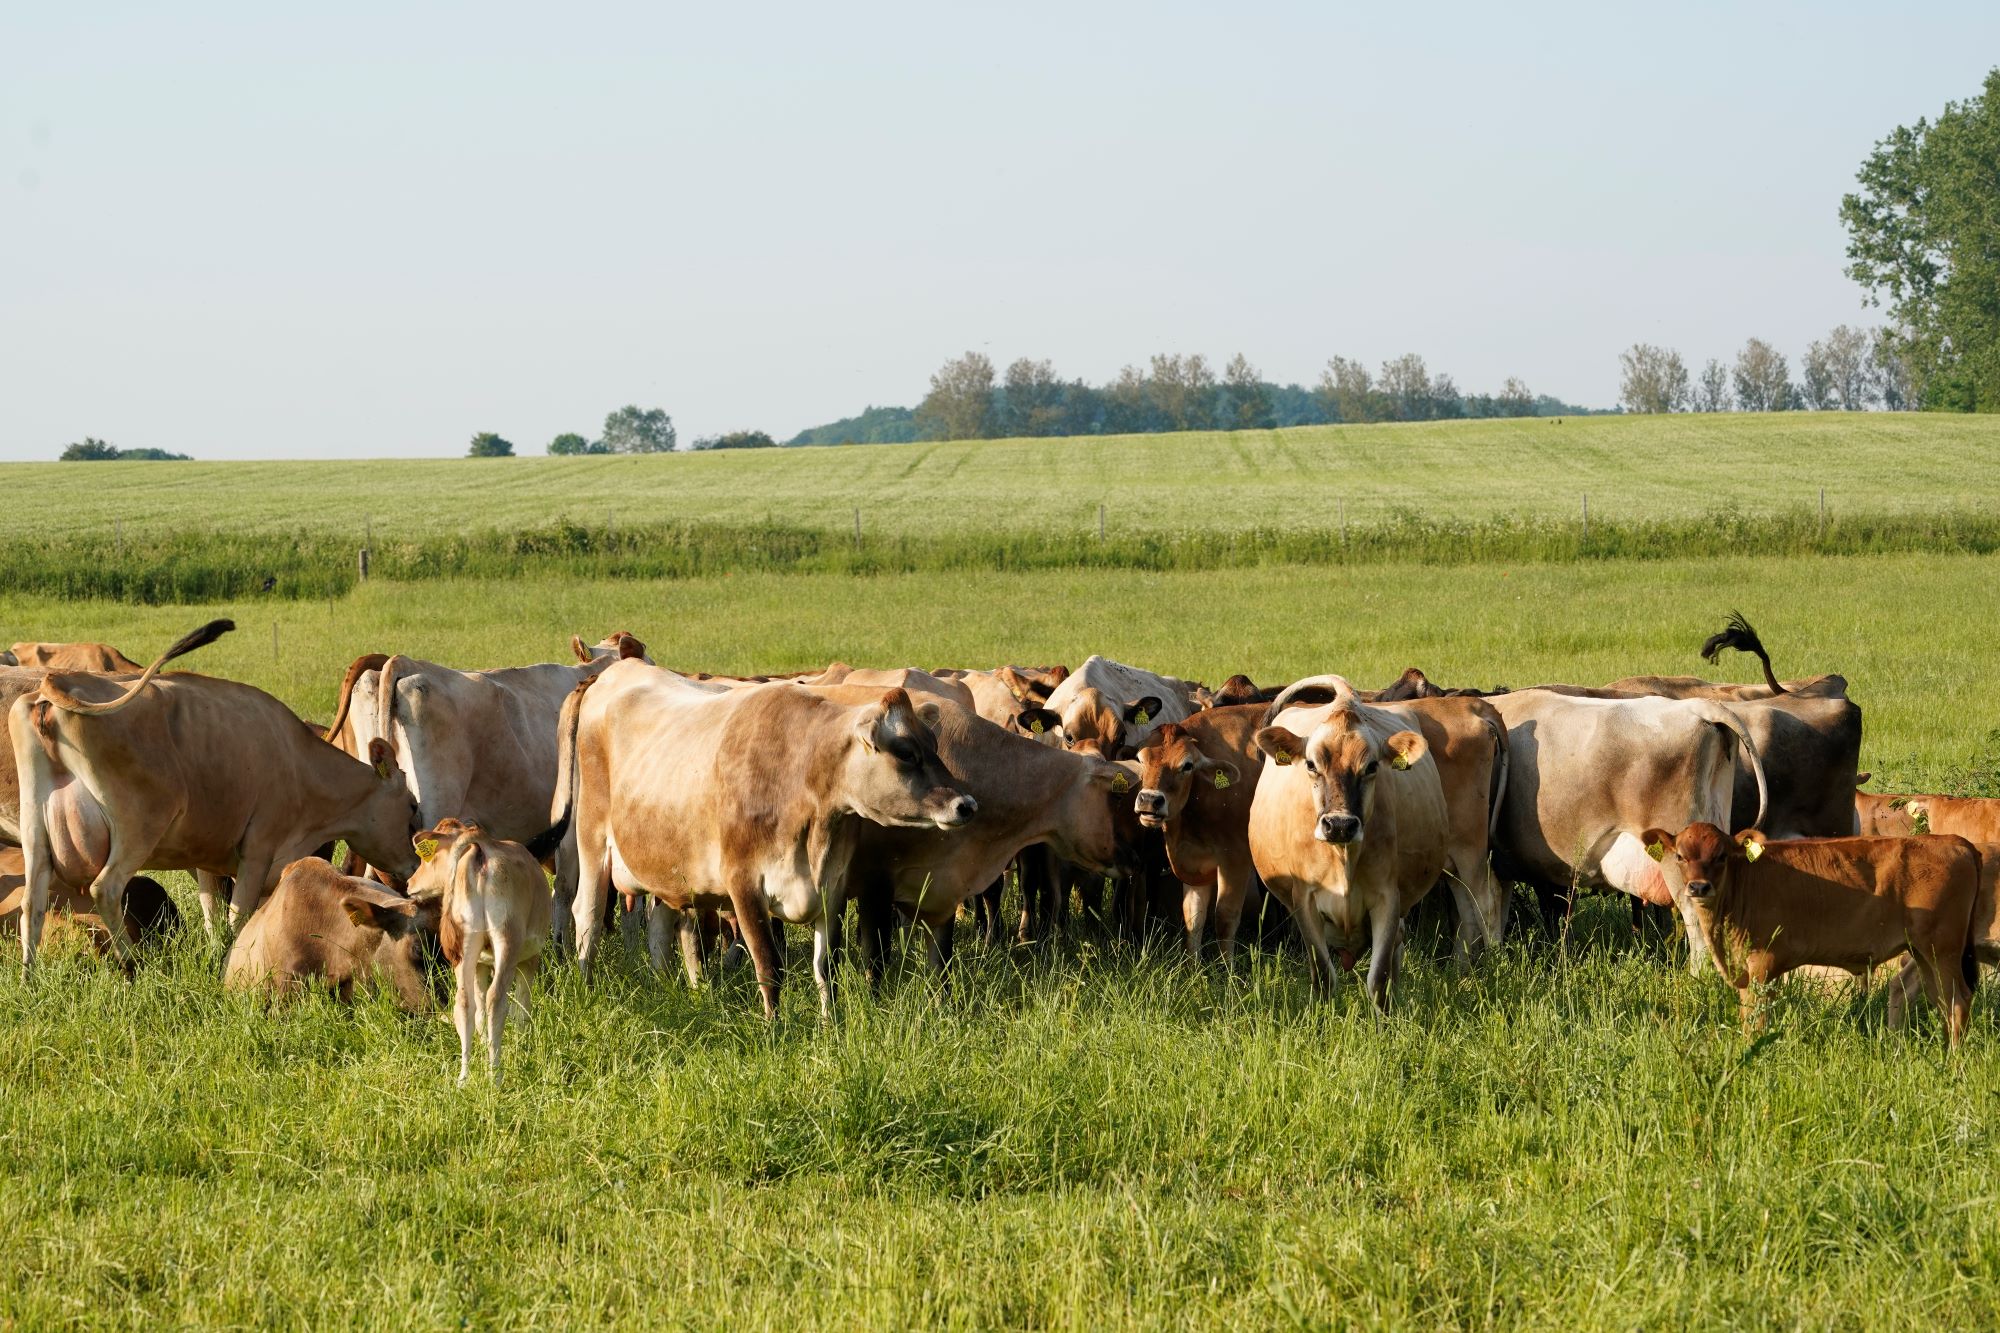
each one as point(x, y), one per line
point(905, 754)
point(1312, 768)
point(1187, 766)
point(1369, 771)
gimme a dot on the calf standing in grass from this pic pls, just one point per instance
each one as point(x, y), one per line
point(1196, 782)
point(494, 916)
point(1769, 907)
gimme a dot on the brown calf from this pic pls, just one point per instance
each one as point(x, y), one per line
point(1769, 907)
point(1196, 782)
point(322, 928)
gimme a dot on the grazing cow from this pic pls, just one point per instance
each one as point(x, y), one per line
point(1027, 793)
point(1349, 828)
point(1110, 707)
point(320, 928)
point(1974, 818)
point(473, 745)
point(185, 772)
point(1587, 776)
point(494, 916)
point(1853, 903)
point(1197, 780)
point(750, 799)
point(98, 657)
point(149, 912)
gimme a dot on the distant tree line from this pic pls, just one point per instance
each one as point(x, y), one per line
point(1849, 370)
point(968, 400)
point(90, 449)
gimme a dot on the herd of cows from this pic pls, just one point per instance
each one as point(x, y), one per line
point(718, 806)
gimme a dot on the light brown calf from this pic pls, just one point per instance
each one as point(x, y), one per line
point(320, 928)
point(1197, 780)
point(1769, 907)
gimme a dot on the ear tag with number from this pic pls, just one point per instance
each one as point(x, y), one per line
point(1752, 850)
point(1400, 762)
point(1035, 727)
point(427, 849)
point(1120, 783)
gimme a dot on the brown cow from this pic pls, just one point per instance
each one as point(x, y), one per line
point(98, 657)
point(1197, 780)
point(1349, 828)
point(1985, 934)
point(750, 799)
point(1738, 635)
point(1974, 818)
point(1885, 814)
point(1853, 903)
point(322, 928)
point(185, 772)
point(493, 918)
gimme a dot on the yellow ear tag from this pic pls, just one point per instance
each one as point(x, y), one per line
point(1657, 850)
point(1752, 850)
point(1282, 757)
point(1036, 726)
point(1141, 717)
point(1119, 783)
point(1221, 778)
point(427, 849)
point(1401, 761)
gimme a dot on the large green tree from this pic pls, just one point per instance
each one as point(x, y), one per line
point(960, 403)
point(632, 430)
point(1923, 236)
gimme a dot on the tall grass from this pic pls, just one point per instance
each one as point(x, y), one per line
point(164, 567)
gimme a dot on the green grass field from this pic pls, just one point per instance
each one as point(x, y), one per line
point(1091, 1138)
point(1631, 467)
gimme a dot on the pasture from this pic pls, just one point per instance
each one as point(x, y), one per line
point(1096, 1136)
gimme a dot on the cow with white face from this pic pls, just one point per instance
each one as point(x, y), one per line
point(1349, 828)
point(1109, 708)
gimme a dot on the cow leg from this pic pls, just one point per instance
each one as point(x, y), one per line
point(1386, 946)
point(986, 911)
point(690, 933)
point(1947, 990)
point(1195, 902)
point(213, 891)
point(498, 990)
point(464, 1005)
point(252, 872)
point(1232, 891)
point(1902, 988)
point(826, 958)
point(875, 908)
point(593, 891)
point(942, 940)
point(563, 889)
point(661, 922)
point(756, 926)
point(1319, 958)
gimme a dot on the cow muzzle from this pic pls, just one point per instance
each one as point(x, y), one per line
point(1700, 888)
point(1338, 829)
point(1151, 806)
point(950, 809)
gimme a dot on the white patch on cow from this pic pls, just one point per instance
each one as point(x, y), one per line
point(1630, 868)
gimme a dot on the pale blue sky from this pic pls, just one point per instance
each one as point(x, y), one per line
point(247, 230)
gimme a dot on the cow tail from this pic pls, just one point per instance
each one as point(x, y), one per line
point(1739, 635)
point(385, 701)
point(1501, 763)
point(359, 667)
point(1722, 717)
point(467, 860)
point(53, 691)
point(566, 767)
point(1968, 961)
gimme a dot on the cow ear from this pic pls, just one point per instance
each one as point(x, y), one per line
point(929, 713)
point(1143, 711)
point(379, 912)
point(1282, 745)
point(381, 757)
point(1752, 843)
point(1222, 773)
point(576, 646)
point(1405, 748)
point(1658, 843)
point(1117, 778)
point(1861, 779)
point(1036, 721)
point(629, 646)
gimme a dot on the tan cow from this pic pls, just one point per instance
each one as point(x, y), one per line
point(898, 678)
point(1588, 776)
point(1974, 818)
point(185, 772)
point(1349, 828)
point(98, 657)
point(493, 917)
point(750, 799)
point(322, 929)
point(1853, 903)
point(1197, 780)
point(1113, 707)
point(478, 746)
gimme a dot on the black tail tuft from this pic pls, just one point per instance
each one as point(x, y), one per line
point(200, 638)
point(1738, 635)
point(1969, 964)
point(544, 844)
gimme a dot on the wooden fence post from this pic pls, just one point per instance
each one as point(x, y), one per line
point(364, 564)
point(1100, 522)
point(1586, 517)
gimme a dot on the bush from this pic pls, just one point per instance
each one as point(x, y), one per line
point(488, 445)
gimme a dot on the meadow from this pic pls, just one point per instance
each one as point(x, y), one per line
point(1099, 1135)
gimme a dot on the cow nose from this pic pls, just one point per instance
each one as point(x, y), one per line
point(1699, 888)
point(1150, 800)
point(963, 809)
point(1337, 828)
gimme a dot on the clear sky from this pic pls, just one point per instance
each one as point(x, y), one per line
point(277, 230)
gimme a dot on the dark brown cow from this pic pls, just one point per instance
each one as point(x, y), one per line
point(1853, 903)
point(1196, 782)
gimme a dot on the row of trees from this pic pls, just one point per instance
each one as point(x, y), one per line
point(1849, 370)
point(969, 400)
point(90, 449)
point(629, 430)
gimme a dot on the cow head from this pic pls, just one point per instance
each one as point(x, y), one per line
point(1096, 726)
point(1240, 689)
point(611, 648)
point(387, 817)
point(1344, 764)
point(1037, 724)
point(433, 847)
point(894, 775)
point(1169, 767)
point(1698, 863)
point(401, 935)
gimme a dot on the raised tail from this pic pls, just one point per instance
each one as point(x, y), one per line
point(1740, 636)
point(356, 669)
point(1722, 717)
point(53, 691)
